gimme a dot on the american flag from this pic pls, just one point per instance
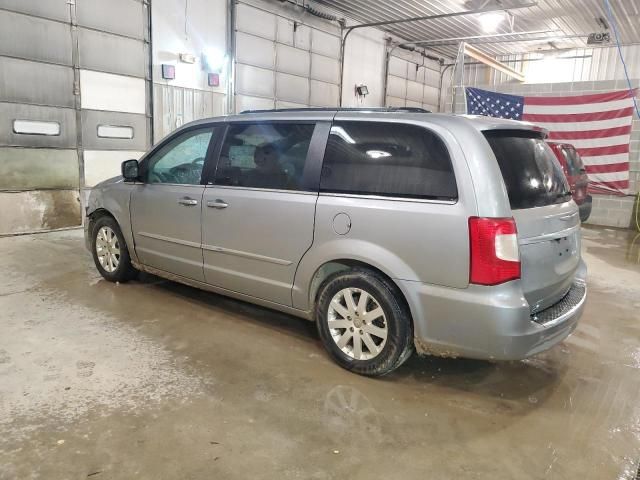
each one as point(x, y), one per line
point(597, 125)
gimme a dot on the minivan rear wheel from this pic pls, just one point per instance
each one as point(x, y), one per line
point(363, 323)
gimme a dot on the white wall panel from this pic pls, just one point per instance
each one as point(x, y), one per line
point(395, 102)
point(412, 71)
point(414, 91)
point(292, 88)
point(397, 87)
point(302, 37)
point(199, 27)
point(253, 20)
point(285, 31)
point(325, 69)
point(292, 60)
point(254, 81)
point(100, 165)
point(290, 105)
point(254, 50)
point(324, 94)
point(244, 102)
point(325, 44)
point(105, 91)
point(364, 64)
point(397, 67)
point(420, 76)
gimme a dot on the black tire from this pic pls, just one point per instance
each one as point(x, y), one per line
point(398, 346)
point(125, 270)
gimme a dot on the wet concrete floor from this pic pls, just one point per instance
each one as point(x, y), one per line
point(155, 380)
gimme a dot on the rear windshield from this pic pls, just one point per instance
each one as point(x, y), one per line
point(574, 163)
point(530, 170)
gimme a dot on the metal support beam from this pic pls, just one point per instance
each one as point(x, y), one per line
point(479, 55)
point(415, 19)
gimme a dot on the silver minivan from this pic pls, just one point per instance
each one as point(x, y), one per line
point(394, 231)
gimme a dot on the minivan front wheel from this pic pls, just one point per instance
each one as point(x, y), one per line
point(110, 252)
point(362, 322)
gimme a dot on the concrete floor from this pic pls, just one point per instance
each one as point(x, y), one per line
point(155, 380)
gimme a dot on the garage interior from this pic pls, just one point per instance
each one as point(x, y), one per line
point(153, 379)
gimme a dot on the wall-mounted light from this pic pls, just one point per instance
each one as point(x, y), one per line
point(187, 58)
point(362, 90)
point(213, 60)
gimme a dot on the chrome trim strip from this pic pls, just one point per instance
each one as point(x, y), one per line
point(394, 199)
point(170, 239)
point(268, 190)
point(253, 256)
point(550, 236)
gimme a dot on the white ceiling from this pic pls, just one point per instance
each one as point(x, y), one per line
point(563, 17)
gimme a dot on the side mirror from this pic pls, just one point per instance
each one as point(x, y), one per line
point(130, 170)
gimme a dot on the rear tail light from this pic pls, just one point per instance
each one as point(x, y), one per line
point(495, 257)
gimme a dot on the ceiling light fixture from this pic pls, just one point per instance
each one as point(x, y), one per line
point(490, 21)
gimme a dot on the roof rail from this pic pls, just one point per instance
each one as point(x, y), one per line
point(342, 109)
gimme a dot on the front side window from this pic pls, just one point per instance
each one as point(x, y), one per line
point(387, 159)
point(182, 159)
point(264, 155)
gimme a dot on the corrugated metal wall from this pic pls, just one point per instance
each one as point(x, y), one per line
point(57, 80)
point(581, 65)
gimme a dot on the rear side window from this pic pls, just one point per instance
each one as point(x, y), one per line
point(530, 170)
point(574, 162)
point(265, 155)
point(387, 159)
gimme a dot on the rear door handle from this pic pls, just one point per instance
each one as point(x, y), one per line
point(217, 204)
point(187, 202)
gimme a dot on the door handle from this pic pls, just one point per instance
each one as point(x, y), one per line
point(187, 202)
point(217, 204)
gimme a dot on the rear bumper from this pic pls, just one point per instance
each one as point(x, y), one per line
point(490, 322)
point(585, 208)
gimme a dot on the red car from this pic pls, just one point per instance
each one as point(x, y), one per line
point(576, 176)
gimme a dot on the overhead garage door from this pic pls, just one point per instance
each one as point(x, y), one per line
point(284, 62)
point(413, 83)
point(73, 104)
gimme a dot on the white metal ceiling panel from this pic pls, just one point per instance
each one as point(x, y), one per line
point(254, 50)
point(292, 60)
point(325, 69)
point(254, 81)
point(292, 88)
